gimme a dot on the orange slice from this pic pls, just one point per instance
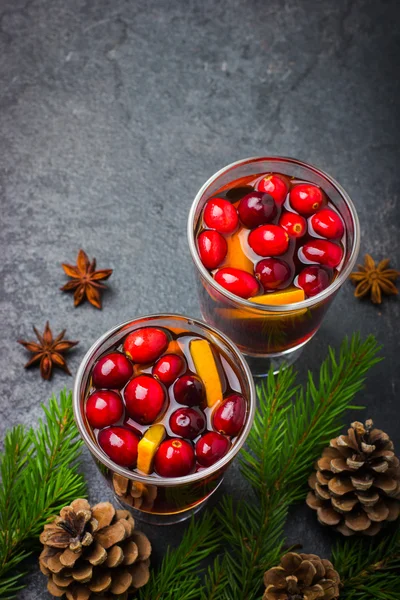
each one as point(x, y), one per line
point(148, 446)
point(207, 370)
point(235, 256)
point(288, 296)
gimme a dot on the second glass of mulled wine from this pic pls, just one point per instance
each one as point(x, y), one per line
point(273, 240)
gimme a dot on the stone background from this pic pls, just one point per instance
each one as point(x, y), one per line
point(112, 115)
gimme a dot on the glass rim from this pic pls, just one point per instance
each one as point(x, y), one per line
point(147, 479)
point(344, 273)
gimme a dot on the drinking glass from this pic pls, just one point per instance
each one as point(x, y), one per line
point(269, 335)
point(154, 499)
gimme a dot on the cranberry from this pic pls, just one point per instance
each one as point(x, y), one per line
point(169, 367)
point(189, 390)
point(211, 447)
point(187, 422)
point(276, 186)
point(327, 223)
point(294, 224)
point(274, 273)
point(145, 399)
point(313, 280)
point(269, 240)
point(145, 344)
point(212, 248)
point(221, 215)
point(120, 445)
point(323, 252)
point(306, 198)
point(237, 282)
point(104, 408)
point(229, 416)
point(174, 458)
point(256, 209)
point(112, 371)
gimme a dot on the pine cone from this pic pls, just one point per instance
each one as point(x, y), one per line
point(134, 493)
point(302, 577)
point(94, 553)
point(356, 487)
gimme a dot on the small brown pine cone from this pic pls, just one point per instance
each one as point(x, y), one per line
point(134, 493)
point(94, 552)
point(302, 577)
point(356, 486)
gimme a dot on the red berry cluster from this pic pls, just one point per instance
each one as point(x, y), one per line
point(143, 382)
point(290, 224)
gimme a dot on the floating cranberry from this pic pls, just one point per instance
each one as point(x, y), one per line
point(306, 198)
point(169, 367)
point(112, 371)
point(328, 223)
point(145, 345)
point(120, 445)
point(273, 273)
point(269, 240)
point(256, 209)
point(212, 248)
point(237, 282)
point(221, 215)
point(294, 224)
point(276, 186)
point(313, 280)
point(187, 422)
point(323, 252)
point(189, 390)
point(228, 418)
point(145, 399)
point(211, 447)
point(174, 458)
point(104, 408)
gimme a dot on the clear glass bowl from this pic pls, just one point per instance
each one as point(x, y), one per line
point(270, 335)
point(155, 499)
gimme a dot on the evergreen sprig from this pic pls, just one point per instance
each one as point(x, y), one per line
point(38, 470)
point(369, 568)
point(292, 425)
point(179, 573)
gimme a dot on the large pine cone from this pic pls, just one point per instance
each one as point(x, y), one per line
point(356, 487)
point(94, 553)
point(302, 577)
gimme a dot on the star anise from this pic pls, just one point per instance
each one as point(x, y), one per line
point(374, 279)
point(85, 280)
point(48, 351)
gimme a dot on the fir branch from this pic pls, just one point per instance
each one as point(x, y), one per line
point(369, 568)
point(292, 426)
point(179, 573)
point(301, 429)
point(38, 469)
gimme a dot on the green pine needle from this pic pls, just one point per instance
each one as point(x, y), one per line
point(369, 568)
point(292, 426)
point(179, 573)
point(38, 470)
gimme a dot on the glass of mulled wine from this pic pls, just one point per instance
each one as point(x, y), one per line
point(164, 403)
point(273, 240)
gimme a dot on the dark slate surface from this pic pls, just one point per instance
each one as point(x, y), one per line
point(112, 115)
